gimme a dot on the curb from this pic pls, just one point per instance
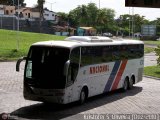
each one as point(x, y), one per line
point(151, 77)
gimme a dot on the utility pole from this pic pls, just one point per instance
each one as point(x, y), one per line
point(132, 22)
point(99, 4)
point(2, 17)
point(129, 23)
point(13, 17)
point(18, 28)
point(51, 4)
point(1, 21)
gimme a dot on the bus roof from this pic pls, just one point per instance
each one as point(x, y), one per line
point(75, 41)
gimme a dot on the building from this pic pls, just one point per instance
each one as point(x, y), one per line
point(9, 10)
point(28, 13)
point(1, 9)
point(86, 31)
point(50, 15)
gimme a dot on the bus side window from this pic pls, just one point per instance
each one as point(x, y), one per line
point(86, 56)
point(74, 66)
point(124, 52)
point(106, 54)
point(115, 53)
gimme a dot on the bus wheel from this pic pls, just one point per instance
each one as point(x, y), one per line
point(83, 96)
point(125, 85)
point(131, 82)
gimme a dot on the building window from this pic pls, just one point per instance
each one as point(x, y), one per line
point(7, 12)
point(53, 15)
point(11, 11)
point(46, 14)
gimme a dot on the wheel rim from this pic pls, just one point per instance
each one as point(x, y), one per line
point(125, 85)
point(131, 83)
point(83, 96)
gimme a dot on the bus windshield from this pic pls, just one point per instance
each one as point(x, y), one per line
point(45, 67)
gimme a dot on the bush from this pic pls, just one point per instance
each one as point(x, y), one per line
point(157, 50)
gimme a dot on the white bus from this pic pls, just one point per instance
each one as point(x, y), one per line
point(81, 67)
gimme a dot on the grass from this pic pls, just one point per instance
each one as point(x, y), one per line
point(8, 43)
point(9, 40)
point(152, 42)
point(153, 71)
point(148, 49)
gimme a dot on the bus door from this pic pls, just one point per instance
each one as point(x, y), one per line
point(72, 73)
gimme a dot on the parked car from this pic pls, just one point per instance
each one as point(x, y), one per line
point(108, 34)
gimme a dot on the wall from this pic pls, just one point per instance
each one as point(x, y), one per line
point(10, 23)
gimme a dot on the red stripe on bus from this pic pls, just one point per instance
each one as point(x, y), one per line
point(119, 75)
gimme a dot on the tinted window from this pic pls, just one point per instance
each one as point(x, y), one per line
point(100, 54)
point(45, 66)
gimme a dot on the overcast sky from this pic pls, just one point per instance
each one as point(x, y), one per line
point(117, 5)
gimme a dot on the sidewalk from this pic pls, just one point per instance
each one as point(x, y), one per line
point(150, 59)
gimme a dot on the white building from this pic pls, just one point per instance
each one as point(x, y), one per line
point(1, 9)
point(50, 15)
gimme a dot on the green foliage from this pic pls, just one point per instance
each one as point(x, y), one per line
point(64, 18)
point(125, 21)
point(157, 50)
point(148, 49)
point(9, 39)
point(90, 15)
point(153, 71)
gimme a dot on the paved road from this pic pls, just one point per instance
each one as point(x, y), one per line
point(142, 99)
point(150, 59)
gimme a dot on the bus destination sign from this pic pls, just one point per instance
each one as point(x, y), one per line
point(143, 3)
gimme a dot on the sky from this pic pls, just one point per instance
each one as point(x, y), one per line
point(117, 5)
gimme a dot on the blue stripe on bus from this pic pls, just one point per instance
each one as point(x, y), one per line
point(112, 76)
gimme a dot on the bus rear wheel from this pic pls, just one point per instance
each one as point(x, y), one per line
point(131, 83)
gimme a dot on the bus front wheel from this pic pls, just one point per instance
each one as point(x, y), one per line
point(83, 96)
point(125, 85)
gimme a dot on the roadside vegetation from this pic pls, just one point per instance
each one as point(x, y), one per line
point(9, 42)
point(153, 71)
point(152, 42)
point(148, 49)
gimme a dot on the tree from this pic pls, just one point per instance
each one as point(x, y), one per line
point(125, 22)
point(105, 20)
point(63, 19)
point(78, 16)
point(92, 11)
point(157, 50)
point(13, 2)
point(90, 15)
point(40, 6)
point(157, 23)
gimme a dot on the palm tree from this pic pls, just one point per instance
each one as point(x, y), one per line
point(40, 6)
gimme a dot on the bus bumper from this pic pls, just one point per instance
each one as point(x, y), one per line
point(43, 96)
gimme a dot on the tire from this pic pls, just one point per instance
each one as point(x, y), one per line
point(125, 85)
point(131, 83)
point(83, 97)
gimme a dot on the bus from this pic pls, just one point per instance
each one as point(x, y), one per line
point(80, 67)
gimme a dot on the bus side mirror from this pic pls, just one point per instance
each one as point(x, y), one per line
point(66, 67)
point(19, 62)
